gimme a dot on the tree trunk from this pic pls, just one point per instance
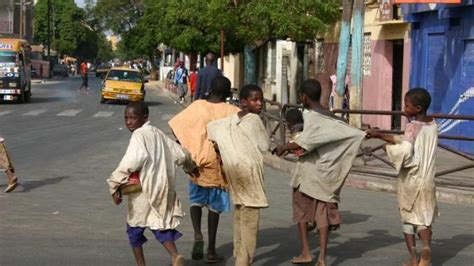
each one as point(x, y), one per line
point(355, 90)
point(342, 60)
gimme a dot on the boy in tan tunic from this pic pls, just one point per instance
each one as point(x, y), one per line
point(241, 141)
point(330, 147)
point(7, 166)
point(156, 207)
point(208, 189)
point(413, 155)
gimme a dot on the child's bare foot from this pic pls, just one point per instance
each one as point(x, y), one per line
point(410, 263)
point(178, 261)
point(425, 257)
point(302, 259)
point(321, 262)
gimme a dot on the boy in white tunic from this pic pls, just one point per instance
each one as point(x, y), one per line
point(413, 155)
point(241, 141)
point(329, 148)
point(157, 207)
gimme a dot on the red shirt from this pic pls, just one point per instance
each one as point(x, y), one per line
point(192, 80)
point(83, 68)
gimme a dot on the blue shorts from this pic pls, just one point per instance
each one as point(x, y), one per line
point(137, 239)
point(215, 199)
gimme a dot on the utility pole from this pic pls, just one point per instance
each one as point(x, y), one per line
point(49, 39)
point(355, 90)
point(342, 60)
point(22, 17)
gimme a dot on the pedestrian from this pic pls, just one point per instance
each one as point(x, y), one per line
point(84, 69)
point(193, 81)
point(241, 141)
point(205, 77)
point(153, 202)
point(7, 166)
point(330, 147)
point(413, 156)
point(190, 129)
point(181, 80)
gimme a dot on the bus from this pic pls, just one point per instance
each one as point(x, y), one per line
point(15, 70)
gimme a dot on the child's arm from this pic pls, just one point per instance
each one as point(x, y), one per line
point(281, 149)
point(372, 133)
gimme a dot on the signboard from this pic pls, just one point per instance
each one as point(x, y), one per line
point(426, 1)
point(386, 10)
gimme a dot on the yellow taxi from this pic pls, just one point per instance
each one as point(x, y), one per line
point(123, 84)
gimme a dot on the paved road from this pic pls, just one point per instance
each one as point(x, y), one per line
point(64, 144)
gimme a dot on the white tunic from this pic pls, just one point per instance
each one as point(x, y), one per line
point(155, 156)
point(414, 158)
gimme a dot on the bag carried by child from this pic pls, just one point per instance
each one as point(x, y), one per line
point(133, 184)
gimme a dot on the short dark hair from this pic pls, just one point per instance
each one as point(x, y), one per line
point(294, 116)
point(419, 96)
point(312, 89)
point(220, 87)
point(141, 108)
point(247, 89)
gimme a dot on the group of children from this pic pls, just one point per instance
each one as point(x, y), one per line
point(222, 148)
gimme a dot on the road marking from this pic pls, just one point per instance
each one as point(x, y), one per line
point(103, 114)
point(5, 112)
point(70, 112)
point(34, 112)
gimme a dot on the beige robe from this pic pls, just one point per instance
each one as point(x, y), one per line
point(331, 146)
point(190, 128)
point(242, 142)
point(155, 156)
point(414, 158)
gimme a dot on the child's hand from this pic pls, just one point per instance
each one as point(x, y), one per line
point(117, 198)
point(371, 133)
point(279, 150)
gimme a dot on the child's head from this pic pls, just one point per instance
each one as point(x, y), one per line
point(136, 114)
point(251, 98)
point(417, 101)
point(220, 88)
point(310, 92)
point(293, 117)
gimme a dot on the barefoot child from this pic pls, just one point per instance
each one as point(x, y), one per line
point(7, 166)
point(413, 155)
point(330, 147)
point(241, 141)
point(156, 207)
point(190, 128)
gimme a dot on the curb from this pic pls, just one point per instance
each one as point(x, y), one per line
point(377, 183)
point(356, 179)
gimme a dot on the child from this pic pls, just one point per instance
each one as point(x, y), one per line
point(241, 140)
point(7, 166)
point(190, 128)
point(330, 147)
point(193, 81)
point(295, 123)
point(413, 155)
point(156, 207)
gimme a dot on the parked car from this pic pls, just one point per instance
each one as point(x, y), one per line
point(60, 70)
point(123, 84)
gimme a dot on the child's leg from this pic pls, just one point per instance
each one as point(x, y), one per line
point(323, 245)
point(249, 223)
point(425, 235)
point(139, 257)
point(409, 234)
point(212, 224)
point(177, 259)
point(303, 209)
point(198, 246)
point(305, 256)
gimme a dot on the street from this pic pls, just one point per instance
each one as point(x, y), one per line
point(64, 145)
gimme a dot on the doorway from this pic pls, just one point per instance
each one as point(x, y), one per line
point(397, 81)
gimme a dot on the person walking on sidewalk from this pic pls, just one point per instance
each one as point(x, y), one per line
point(181, 80)
point(208, 189)
point(193, 76)
point(413, 156)
point(84, 70)
point(205, 77)
point(7, 166)
point(330, 147)
point(151, 158)
point(241, 141)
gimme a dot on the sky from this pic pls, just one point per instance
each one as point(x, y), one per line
point(80, 3)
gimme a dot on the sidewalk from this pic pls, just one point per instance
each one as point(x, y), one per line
point(369, 173)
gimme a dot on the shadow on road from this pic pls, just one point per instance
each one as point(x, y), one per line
point(27, 186)
point(446, 249)
point(46, 99)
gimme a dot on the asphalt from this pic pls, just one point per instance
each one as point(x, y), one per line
point(62, 213)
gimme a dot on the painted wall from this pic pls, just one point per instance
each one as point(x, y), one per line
point(443, 63)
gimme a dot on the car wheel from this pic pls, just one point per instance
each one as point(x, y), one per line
point(102, 99)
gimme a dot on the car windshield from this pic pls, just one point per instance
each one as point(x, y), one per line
point(124, 75)
point(7, 57)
